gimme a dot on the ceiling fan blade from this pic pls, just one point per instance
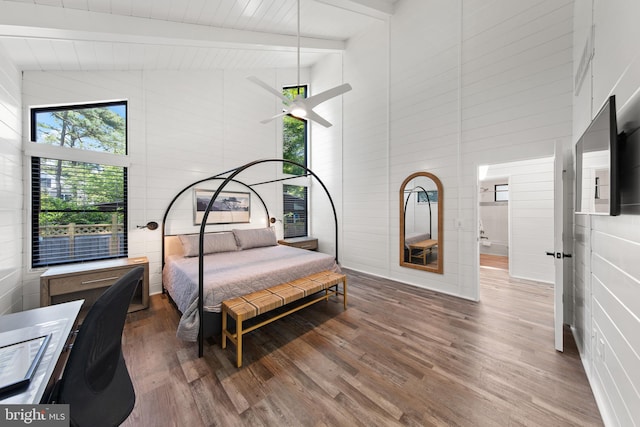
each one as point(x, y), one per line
point(269, 88)
point(312, 115)
point(284, 113)
point(314, 100)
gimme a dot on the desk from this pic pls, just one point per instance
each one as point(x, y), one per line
point(57, 320)
point(89, 280)
point(425, 247)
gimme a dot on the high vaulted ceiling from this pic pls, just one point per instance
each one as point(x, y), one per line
point(179, 34)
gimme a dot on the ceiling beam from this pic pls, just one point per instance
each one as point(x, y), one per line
point(379, 9)
point(26, 20)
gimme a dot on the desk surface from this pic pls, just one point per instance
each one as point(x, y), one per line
point(57, 320)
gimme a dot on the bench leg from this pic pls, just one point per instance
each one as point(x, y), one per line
point(344, 288)
point(224, 326)
point(239, 339)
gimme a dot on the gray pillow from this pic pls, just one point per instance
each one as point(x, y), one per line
point(255, 238)
point(213, 242)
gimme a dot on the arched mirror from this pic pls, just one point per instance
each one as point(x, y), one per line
point(421, 201)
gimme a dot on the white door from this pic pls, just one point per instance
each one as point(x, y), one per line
point(558, 254)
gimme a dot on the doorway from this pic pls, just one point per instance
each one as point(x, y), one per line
point(515, 212)
point(493, 221)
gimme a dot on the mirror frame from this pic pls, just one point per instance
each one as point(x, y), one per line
point(440, 266)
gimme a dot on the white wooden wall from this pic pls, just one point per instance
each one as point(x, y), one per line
point(183, 126)
point(326, 156)
point(469, 83)
point(11, 213)
point(369, 222)
point(424, 123)
point(606, 298)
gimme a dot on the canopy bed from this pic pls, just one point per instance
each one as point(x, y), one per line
point(202, 270)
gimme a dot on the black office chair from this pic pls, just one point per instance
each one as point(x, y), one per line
point(95, 382)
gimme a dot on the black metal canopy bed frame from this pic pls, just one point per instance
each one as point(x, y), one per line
point(209, 322)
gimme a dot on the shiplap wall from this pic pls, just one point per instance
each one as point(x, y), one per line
point(325, 148)
point(424, 122)
point(467, 86)
point(516, 105)
point(606, 290)
point(11, 213)
point(581, 301)
point(369, 231)
point(183, 126)
point(615, 308)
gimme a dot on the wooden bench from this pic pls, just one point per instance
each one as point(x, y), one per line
point(249, 306)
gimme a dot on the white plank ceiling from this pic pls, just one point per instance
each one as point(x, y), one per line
point(179, 34)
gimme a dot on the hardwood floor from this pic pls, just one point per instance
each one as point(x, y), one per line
point(399, 355)
point(494, 261)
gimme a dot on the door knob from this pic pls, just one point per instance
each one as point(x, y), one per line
point(558, 255)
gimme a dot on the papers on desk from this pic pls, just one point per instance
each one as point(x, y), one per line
point(18, 363)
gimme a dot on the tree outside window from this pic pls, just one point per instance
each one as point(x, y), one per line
point(294, 136)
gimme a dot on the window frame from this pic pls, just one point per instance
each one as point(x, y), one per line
point(306, 211)
point(500, 189)
point(35, 150)
point(303, 179)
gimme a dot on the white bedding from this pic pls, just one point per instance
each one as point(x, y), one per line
point(232, 274)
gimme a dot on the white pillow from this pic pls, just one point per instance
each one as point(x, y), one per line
point(255, 237)
point(213, 242)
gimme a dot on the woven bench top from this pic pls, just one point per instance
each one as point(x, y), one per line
point(259, 302)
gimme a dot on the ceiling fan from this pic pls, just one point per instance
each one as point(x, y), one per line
point(302, 107)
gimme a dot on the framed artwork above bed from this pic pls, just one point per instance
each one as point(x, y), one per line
point(429, 196)
point(231, 207)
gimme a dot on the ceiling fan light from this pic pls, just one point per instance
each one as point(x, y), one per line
point(298, 112)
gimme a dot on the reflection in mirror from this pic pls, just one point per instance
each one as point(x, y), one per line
point(596, 164)
point(421, 204)
point(595, 190)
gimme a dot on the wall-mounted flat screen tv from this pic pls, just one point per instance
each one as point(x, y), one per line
point(597, 164)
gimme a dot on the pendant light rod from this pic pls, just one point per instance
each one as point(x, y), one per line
point(298, 43)
point(302, 107)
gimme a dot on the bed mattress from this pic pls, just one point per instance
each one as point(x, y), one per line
point(232, 274)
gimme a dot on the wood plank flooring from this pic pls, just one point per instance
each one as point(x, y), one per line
point(399, 355)
point(494, 261)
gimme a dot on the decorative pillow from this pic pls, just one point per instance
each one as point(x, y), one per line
point(255, 237)
point(213, 242)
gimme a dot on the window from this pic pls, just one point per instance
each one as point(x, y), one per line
point(501, 192)
point(294, 135)
point(295, 210)
point(79, 206)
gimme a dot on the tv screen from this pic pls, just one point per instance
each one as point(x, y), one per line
point(596, 164)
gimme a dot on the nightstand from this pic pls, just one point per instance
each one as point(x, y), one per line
point(306, 242)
